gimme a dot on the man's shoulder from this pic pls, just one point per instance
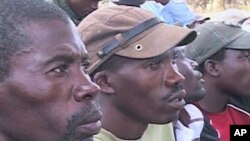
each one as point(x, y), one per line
point(152, 6)
point(242, 102)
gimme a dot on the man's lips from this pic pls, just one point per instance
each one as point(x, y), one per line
point(90, 129)
point(90, 126)
point(202, 81)
point(177, 99)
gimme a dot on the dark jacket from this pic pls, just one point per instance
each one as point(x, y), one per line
point(209, 133)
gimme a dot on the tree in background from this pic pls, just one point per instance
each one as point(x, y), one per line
point(217, 5)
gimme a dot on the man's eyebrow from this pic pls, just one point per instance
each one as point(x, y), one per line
point(57, 58)
point(179, 51)
point(84, 57)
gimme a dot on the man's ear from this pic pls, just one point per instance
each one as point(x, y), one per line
point(212, 67)
point(102, 79)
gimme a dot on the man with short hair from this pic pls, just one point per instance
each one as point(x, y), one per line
point(176, 12)
point(45, 93)
point(191, 120)
point(132, 62)
point(223, 54)
point(77, 9)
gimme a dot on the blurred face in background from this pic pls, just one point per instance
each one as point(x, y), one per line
point(235, 62)
point(83, 7)
point(193, 83)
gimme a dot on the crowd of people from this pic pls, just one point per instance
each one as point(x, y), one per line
point(136, 70)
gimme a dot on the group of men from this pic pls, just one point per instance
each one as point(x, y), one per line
point(122, 74)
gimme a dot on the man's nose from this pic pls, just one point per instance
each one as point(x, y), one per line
point(193, 63)
point(173, 76)
point(86, 89)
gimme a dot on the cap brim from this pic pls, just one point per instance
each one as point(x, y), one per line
point(242, 42)
point(157, 40)
point(199, 19)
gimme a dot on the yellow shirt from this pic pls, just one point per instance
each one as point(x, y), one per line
point(153, 133)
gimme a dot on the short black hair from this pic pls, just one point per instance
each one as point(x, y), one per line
point(14, 14)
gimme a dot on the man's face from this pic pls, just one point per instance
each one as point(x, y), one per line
point(47, 96)
point(85, 7)
point(148, 90)
point(193, 83)
point(235, 72)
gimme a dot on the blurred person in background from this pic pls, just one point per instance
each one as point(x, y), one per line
point(223, 54)
point(76, 9)
point(175, 12)
point(191, 121)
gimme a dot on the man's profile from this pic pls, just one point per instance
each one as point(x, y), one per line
point(45, 95)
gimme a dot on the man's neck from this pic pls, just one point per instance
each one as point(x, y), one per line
point(215, 100)
point(122, 125)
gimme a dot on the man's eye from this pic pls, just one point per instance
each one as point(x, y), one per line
point(85, 70)
point(245, 56)
point(155, 66)
point(61, 69)
point(84, 67)
point(176, 56)
point(173, 61)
